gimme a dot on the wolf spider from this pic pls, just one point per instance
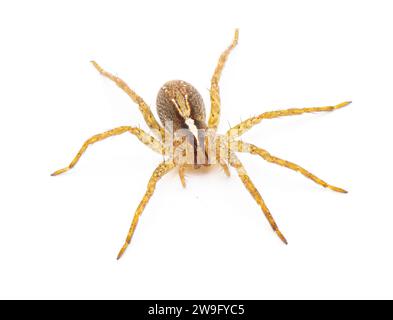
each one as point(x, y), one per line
point(185, 140)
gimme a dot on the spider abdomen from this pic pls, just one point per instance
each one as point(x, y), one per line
point(178, 102)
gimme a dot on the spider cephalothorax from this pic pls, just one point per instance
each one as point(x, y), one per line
point(186, 141)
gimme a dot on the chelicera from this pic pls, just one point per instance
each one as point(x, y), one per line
point(187, 142)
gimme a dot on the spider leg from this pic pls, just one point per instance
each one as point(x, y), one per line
point(182, 169)
point(219, 148)
point(244, 126)
point(224, 166)
point(140, 134)
point(214, 117)
point(235, 162)
point(250, 148)
point(158, 173)
point(143, 107)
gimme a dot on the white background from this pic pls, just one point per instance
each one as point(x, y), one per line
point(59, 236)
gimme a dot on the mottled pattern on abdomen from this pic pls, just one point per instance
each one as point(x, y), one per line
point(167, 111)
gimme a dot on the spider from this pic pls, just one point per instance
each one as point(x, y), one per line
point(186, 141)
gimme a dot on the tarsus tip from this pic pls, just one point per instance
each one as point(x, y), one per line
point(121, 252)
point(338, 189)
point(236, 37)
point(280, 235)
point(95, 64)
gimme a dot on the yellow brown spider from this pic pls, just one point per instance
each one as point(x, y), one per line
point(186, 141)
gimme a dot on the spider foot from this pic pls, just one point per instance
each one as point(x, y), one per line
point(60, 171)
point(97, 66)
point(122, 250)
point(182, 176)
point(281, 236)
point(342, 105)
point(337, 189)
point(226, 169)
point(183, 180)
